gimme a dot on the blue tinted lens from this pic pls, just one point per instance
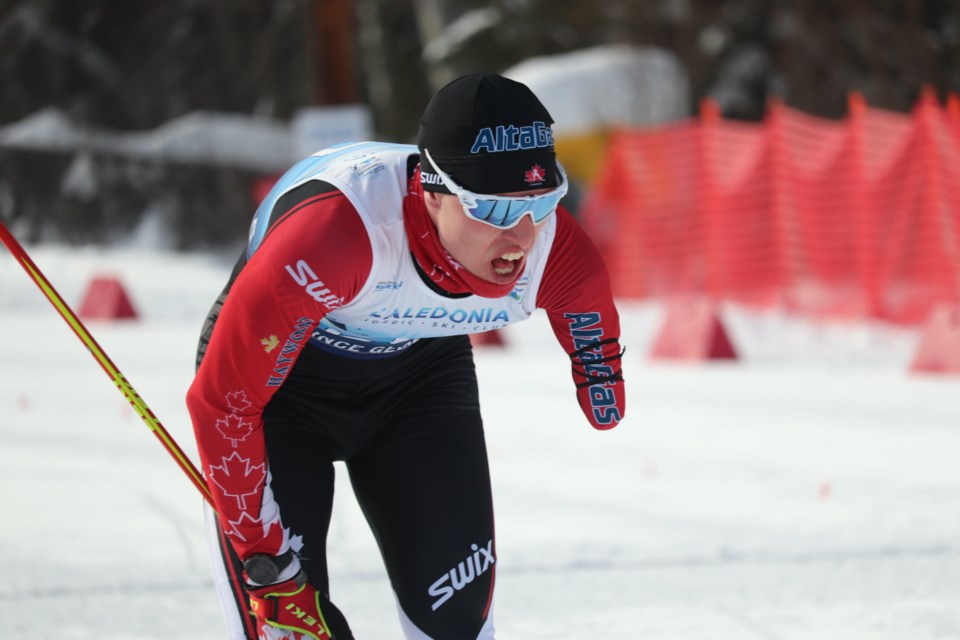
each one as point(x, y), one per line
point(501, 211)
point(504, 212)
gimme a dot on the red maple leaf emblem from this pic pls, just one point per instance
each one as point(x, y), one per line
point(234, 428)
point(237, 401)
point(534, 175)
point(238, 479)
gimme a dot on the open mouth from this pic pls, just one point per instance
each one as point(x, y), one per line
point(507, 263)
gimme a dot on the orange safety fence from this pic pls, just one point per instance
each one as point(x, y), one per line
point(856, 217)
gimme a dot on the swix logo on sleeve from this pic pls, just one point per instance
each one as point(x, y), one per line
point(513, 138)
point(586, 329)
point(464, 573)
point(304, 276)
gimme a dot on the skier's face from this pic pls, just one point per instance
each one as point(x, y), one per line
point(494, 254)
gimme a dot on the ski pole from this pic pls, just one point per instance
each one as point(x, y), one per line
point(111, 369)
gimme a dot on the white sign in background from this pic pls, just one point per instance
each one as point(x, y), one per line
point(316, 128)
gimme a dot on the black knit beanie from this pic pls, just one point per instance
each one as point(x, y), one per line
point(490, 134)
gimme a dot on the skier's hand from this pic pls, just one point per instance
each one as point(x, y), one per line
point(288, 610)
point(600, 390)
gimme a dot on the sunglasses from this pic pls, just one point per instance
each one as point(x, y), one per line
point(503, 212)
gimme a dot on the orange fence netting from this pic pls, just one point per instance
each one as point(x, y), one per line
point(858, 217)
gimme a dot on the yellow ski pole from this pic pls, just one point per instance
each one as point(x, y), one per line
point(125, 388)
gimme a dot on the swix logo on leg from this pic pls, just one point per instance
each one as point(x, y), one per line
point(476, 564)
point(586, 329)
point(314, 286)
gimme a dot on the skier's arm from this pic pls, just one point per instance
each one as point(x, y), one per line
point(315, 258)
point(575, 292)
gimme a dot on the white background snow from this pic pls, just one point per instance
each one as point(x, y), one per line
point(810, 490)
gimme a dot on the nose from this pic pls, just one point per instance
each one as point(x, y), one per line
point(523, 233)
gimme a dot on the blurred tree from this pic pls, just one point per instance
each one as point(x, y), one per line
point(335, 50)
point(395, 78)
point(810, 53)
point(131, 64)
point(137, 64)
point(885, 50)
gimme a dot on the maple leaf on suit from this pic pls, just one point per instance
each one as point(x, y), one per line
point(270, 343)
point(234, 529)
point(238, 479)
point(234, 428)
point(237, 401)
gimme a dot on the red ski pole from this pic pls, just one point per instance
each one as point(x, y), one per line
point(125, 388)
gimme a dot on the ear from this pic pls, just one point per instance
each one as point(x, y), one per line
point(432, 200)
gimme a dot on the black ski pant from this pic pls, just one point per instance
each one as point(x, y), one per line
point(409, 431)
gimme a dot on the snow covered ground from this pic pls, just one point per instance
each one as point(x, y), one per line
point(810, 490)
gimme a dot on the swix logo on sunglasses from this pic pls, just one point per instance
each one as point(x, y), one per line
point(513, 138)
